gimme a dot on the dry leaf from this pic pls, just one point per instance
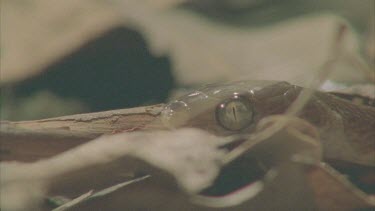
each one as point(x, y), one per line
point(190, 156)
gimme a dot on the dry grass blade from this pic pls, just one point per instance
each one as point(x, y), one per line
point(301, 100)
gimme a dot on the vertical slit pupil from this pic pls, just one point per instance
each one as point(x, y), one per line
point(234, 112)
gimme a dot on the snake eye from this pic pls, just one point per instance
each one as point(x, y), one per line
point(234, 114)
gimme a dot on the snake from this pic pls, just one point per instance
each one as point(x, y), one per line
point(346, 129)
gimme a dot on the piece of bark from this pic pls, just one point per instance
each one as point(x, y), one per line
point(32, 140)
